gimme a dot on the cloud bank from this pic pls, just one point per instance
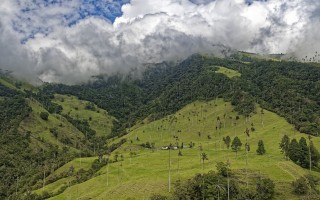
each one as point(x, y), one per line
point(70, 41)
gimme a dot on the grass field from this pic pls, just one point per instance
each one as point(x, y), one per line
point(100, 121)
point(146, 173)
point(228, 72)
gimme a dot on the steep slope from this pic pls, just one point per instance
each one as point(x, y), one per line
point(32, 146)
point(143, 172)
point(99, 119)
point(56, 130)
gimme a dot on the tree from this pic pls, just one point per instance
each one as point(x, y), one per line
point(179, 154)
point(265, 189)
point(44, 115)
point(169, 169)
point(304, 153)
point(284, 145)
point(236, 144)
point(227, 141)
point(131, 155)
point(315, 155)
point(203, 158)
point(261, 149)
point(223, 169)
point(247, 145)
point(294, 151)
point(116, 156)
point(108, 161)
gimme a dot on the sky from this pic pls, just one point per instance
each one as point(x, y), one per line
point(69, 41)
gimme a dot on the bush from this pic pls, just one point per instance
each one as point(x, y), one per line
point(44, 115)
point(54, 132)
point(300, 186)
point(90, 106)
point(265, 189)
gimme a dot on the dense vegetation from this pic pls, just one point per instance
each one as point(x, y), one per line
point(290, 89)
point(300, 152)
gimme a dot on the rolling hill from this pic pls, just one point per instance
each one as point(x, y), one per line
point(146, 172)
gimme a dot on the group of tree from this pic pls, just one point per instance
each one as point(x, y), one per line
point(307, 185)
point(222, 184)
point(300, 152)
point(236, 145)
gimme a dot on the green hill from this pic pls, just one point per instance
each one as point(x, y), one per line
point(141, 175)
point(99, 119)
point(41, 130)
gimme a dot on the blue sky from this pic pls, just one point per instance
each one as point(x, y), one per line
point(105, 9)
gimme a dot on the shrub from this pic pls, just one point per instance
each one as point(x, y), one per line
point(300, 186)
point(265, 189)
point(44, 115)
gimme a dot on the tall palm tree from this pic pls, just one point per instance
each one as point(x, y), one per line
point(310, 165)
point(108, 160)
point(179, 154)
point(169, 178)
point(203, 158)
point(247, 149)
point(228, 179)
point(219, 187)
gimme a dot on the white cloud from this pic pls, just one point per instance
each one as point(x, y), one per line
point(148, 31)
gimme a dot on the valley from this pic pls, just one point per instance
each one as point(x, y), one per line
point(124, 138)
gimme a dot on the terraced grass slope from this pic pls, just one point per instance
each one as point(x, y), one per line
point(145, 172)
point(99, 119)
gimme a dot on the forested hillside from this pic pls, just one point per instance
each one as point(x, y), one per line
point(38, 137)
point(291, 89)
